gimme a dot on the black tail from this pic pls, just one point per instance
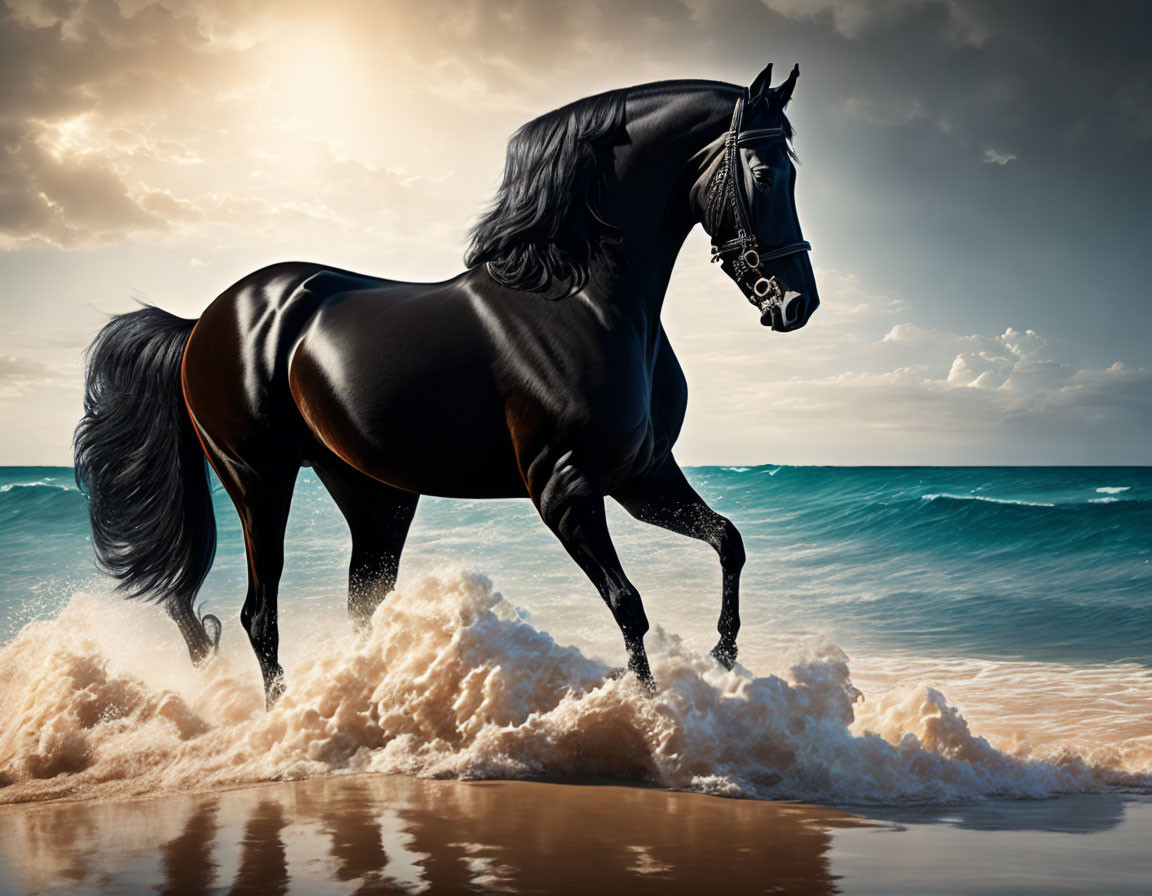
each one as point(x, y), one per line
point(140, 463)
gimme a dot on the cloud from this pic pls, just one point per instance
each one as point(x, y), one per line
point(18, 375)
point(108, 108)
point(865, 386)
point(854, 18)
point(223, 135)
point(227, 122)
point(990, 69)
point(68, 71)
point(995, 157)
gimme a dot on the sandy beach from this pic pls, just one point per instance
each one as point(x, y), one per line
point(393, 834)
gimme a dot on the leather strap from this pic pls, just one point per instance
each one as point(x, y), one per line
point(746, 253)
point(759, 135)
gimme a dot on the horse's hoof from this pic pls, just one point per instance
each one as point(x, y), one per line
point(273, 693)
point(212, 629)
point(725, 655)
point(647, 683)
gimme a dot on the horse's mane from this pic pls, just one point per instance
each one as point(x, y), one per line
point(541, 227)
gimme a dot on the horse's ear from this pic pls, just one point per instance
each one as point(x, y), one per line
point(761, 84)
point(784, 91)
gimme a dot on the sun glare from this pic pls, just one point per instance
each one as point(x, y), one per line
point(72, 137)
point(312, 80)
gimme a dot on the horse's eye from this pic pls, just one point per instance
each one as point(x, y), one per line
point(763, 177)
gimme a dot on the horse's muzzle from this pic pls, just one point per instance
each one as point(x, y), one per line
point(789, 313)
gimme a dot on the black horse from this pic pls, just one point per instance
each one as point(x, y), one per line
point(542, 371)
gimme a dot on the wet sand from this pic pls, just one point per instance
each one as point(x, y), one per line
point(384, 834)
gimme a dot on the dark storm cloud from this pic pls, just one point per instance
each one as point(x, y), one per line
point(1037, 78)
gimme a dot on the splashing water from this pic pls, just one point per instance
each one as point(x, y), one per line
point(453, 681)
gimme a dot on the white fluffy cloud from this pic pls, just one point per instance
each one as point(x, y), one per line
point(862, 385)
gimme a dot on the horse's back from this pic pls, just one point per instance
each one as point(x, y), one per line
point(398, 380)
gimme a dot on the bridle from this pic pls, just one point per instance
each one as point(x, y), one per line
point(743, 256)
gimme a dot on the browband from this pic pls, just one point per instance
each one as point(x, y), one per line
point(759, 135)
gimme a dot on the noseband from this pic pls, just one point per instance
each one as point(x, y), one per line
point(744, 255)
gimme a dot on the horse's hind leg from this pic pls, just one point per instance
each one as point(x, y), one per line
point(667, 500)
point(202, 635)
point(379, 517)
point(263, 499)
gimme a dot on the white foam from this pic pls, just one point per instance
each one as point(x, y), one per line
point(1113, 489)
point(453, 681)
point(948, 497)
point(39, 483)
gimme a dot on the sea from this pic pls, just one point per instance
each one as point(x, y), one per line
point(910, 635)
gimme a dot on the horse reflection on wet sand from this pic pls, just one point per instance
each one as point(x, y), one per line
point(399, 835)
point(374, 834)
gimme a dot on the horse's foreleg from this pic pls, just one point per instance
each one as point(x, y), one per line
point(378, 517)
point(667, 500)
point(573, 509)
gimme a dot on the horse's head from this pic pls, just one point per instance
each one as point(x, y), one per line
point(750, 208)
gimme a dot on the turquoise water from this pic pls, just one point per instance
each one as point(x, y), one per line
point(924, 635)
point(1041, 564)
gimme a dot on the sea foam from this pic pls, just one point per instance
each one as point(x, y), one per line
point(453, 681)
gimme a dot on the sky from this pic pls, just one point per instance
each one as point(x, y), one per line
point(974, 178)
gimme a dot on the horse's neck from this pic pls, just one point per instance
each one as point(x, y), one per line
point(652, 206)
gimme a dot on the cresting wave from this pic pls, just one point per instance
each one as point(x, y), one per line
point(947, 497)
point(4, 489)
point(1016, 502)
point(454, 681)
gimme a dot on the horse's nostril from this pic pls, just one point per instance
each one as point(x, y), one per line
point(793, 307)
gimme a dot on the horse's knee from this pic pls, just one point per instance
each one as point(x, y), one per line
point(730, 546)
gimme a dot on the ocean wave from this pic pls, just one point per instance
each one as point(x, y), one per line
point(1081, 505)
point(944, 496)
point(48, 503)
point(1113, 489)
point(39, 484)
point(453, 681)
point(956, 525)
